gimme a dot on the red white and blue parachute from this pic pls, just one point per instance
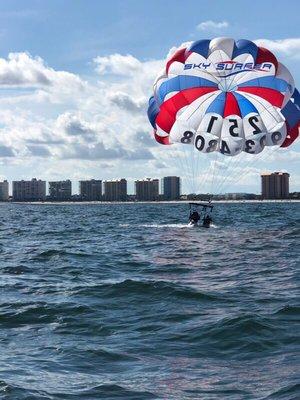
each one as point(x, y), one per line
point(227, 96)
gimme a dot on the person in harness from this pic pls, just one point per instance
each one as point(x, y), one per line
point(207, 221)
point(194, 217)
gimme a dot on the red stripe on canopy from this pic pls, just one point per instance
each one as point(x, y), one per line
point(168, 110)
point(292, 135)
point(272, 96)
point(231, 105)
point(264, 56)
point(180, 56)
point(161, 139)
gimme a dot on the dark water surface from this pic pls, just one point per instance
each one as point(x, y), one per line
point(127, 302)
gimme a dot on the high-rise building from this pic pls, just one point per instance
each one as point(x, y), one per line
point(60, 190)
point(4, 196)
point(275, 185)
point(115, 190)
point(34, 190)
point(147, 189)
point(90, 190)
point(171, 187)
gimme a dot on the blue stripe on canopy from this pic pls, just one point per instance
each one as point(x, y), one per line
point(244, 46)
point(217, 105)
point(296, 98)
point(245, 105)
point(268, 82)
point(182, 82)
point(291, 113)
point(201, 47)
point(152, 111)
point(291, 110)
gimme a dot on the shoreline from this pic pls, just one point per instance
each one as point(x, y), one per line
point(145, 202)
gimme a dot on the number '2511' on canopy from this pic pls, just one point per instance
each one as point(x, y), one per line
point(227, 96)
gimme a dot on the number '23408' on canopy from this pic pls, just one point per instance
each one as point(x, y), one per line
point(227, 96)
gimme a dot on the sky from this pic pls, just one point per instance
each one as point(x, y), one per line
point(76, 77)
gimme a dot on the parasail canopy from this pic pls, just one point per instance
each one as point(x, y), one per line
point(226, 96)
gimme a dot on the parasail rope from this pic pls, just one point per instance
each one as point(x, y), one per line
point(238, 176)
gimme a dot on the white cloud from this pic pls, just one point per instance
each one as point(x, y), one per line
point(39, 151)
point(285, 154)
point(289, 47)
point(128, 103)
point(117, 64)
point(75, 126)
point(22, 70)
point(212, 26)
point(6, 151)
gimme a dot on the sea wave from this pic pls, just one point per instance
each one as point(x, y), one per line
point(125, 302)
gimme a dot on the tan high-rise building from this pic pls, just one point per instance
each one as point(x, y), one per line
point(60, 190)
point(4, 196)
point(91, 190)
point(147, 190)
point(275, 185)
point(34, 190)
point(115, 190)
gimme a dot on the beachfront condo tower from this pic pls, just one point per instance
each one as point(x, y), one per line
point(34, 190)
point(147, 189)
point(60, 190)
point(115, 190)
point(91, 190)
point(171, 187)
point(275, 185)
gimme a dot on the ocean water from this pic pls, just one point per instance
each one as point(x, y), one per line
point(127, 302)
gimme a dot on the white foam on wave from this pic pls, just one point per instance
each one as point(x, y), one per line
point(180, 226)
point(176, 226)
